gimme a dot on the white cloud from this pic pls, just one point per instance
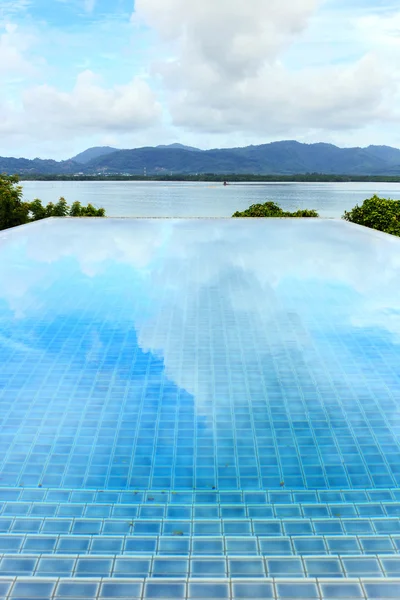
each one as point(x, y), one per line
point(91, 106)
point(14, 48)
point(226, 70)
point(88, 107)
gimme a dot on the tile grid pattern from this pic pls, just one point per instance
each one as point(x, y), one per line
point(165, 438)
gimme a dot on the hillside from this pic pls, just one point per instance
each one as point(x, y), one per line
point(277, 158)
point(93, 153)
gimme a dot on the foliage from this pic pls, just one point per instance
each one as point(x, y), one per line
point(14, 211)
point(378, 213)
point(270, 209)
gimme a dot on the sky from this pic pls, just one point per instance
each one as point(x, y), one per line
point(213, 73)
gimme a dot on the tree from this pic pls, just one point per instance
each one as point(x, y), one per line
point(270, 209)
point(37, 210)
point(13, 210)
point(76, 210)
point(378, 213)
point(61, 209)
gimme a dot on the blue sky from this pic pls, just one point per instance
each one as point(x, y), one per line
point(77, 73)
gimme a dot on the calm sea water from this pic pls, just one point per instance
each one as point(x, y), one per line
point(176, 199)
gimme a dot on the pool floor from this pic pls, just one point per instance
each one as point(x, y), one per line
point(199, 409)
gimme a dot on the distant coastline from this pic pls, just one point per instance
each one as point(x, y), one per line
point(229, 178)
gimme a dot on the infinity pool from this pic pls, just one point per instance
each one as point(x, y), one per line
point(199, 409)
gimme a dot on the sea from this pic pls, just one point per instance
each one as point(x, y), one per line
point(200, 199)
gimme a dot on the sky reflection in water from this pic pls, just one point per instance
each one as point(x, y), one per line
point(207, 354)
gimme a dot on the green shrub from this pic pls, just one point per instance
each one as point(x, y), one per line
point(14, 211)
point(270, 209)
point(378, 213)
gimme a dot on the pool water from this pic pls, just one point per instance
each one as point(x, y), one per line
point(202, 408)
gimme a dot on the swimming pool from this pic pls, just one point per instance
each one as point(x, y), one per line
point(202, 408)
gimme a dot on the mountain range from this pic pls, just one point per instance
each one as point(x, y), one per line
point(276, 158)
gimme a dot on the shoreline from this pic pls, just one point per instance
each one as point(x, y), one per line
point(230, 179)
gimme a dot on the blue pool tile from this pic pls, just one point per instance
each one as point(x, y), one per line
point(205, 590)
point(343, 511)
point(56, 567)
point(26, 526)
point(246, 567)
point(242, 546)
point(323, 567)
point(298, 527)
point(110, 527)
point(56, 526)
point(77, 589)
point(40, 544)
point(253, 591)
point(316, 511)
point(370, 510)
point(131, 567)
point(358, 526)
point(141, 546)
point(362, 566)
point(73, 545)
point(32, 589)
point(377, 545)
point(285, 567)
point(16, 509)
point(207, 528)
point(309, 545)
point(282, 511)
point(70, 510)
point(185, 512)
point(391, 566)
point(174, 545)
point(386, 526)
point(267, 528)
point(237, 528)
point(121, 589)
point(170, 567)
point(297, 590)
point(152, 512)
point(260, 512)
point(208, 546)
point(175, 528)
point(122, 512)
point(341, 590)
point(328, 527)
point(17, 565)
point(11, 543)
point(275, 546)
point(86, 527)
point(93, 567)
point(392, 510)
point(208, 568)
point(104, 545)
point(5, 525)
point(5, 586)
point(164, 590)
point(93, 511)
point(343, 545)
point(382, 590)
